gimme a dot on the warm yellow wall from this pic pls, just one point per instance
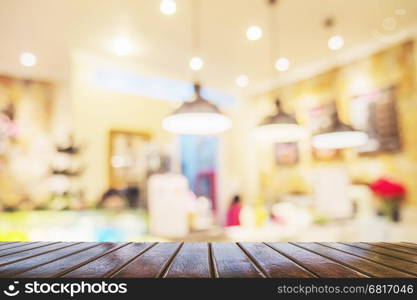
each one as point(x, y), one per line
point(393, 66)
point(96, 111)
point(248, 167)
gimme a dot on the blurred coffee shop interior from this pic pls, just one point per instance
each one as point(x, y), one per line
point(208, 120)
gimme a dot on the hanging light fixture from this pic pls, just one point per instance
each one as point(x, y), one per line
point(279, 127)
point(335, 41)
point(339, 136)
point(197, 116)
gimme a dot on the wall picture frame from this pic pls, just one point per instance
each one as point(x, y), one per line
point(376, 114)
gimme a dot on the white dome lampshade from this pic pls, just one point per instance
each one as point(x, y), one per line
point(197, 117)
point(340, 136)
point(279, 128)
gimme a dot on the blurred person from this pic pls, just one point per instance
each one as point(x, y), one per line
point(132, 195)
point(113, 199)
point(233, 213)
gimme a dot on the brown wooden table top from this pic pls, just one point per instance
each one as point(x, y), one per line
point(222, 260)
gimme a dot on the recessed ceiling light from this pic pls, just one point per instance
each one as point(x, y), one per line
point(196, 63)
point(122, 46)
point(254, 33)
point(282, 64)
point(168, 7)
point(242, 81)
point(336, 42)
point(28, 59)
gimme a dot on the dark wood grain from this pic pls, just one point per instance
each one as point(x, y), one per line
point(317, 264)
point(389, 261)
point(362, 265)
point(396, 247)
point(109, 263)
point(7, 245)
point(32, 253)
point(191, 261)
point(23, 247)
point(203, 260)
point(23, 265)
point(230, 261)
point(272, 263)
point(386, 251)
point(71, 262)
point(152, 263)
point(408, 245)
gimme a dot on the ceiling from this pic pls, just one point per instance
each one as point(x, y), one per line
point(52, 29)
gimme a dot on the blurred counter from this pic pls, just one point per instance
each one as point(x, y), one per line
point(90, 225)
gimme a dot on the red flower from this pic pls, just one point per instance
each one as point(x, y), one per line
point(388, 189)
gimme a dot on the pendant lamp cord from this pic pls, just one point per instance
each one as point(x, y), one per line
point(195, 26)
point(195, 33)
point(273, 33)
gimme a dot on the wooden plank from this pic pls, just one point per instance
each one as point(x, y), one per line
point(68, 263)
point(6, 245)
point(24, 247)
point(272, 263)
point(317, 264)
point(408, 245)
point(56, 259)
point(386, 251)
point(362, 265)
point(389, 261)
point(20, 266)
point(395, 247)
point(191, 261)
point(32, 252)
point(109, 263)
point(151, 264)
point(232, 262)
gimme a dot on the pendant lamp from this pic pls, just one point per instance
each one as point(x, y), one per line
point(279, 127)
point(197, 117)
point(339, 136)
